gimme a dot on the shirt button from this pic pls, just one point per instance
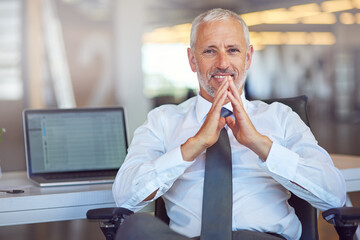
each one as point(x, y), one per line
point(169, 175)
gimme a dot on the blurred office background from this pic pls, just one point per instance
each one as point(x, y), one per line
point(87, 53)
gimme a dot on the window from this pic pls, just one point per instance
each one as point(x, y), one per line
point(166, 70)
point(11, 86)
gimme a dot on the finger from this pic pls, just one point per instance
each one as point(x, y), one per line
point(221, 125)
point(217, 105)
point(223, 88)
point(234, 90)
point(235, 98)
point(213, 116)
point(235, 102)
point(236, 93)
point(239, 114)
point(220, 96)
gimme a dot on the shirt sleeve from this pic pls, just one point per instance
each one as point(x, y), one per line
point(304, 168)
point(148, 166)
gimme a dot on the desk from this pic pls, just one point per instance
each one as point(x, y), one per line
point(349, 166)
point(66, 203)
point(49, 204)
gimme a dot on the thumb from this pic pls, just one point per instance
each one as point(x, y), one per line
point(221, 124)
point(231, 123)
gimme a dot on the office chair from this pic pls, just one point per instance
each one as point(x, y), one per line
point(345, 219)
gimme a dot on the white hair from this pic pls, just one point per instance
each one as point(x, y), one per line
point(217, 14)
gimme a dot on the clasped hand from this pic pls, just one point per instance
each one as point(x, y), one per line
point(241, 127)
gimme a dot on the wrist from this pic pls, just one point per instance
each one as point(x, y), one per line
point(261, 146)
point(191, 149)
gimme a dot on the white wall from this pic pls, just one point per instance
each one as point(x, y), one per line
point(128, 29)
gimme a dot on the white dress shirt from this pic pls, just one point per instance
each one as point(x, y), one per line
point(260, 189)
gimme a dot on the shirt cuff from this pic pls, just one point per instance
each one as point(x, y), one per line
point(281, 161)
point(171, 165)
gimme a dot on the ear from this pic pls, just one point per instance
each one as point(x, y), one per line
point(249, 55)
point(191, 58)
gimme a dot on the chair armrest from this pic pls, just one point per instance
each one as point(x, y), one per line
point(108, 213)
point(342, 216)
point(109, 219)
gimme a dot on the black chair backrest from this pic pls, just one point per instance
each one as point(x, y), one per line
point(304, 211)
point(160, 211)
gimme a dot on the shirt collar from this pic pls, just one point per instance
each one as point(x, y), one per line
point(203, 106)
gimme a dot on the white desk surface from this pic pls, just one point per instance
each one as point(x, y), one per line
point(49, 204)
point(66, 203)
point(349, 166)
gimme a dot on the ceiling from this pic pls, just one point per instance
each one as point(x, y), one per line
point(168, 13)
point(160, 13)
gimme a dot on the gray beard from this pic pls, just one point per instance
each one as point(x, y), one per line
point(211, 90)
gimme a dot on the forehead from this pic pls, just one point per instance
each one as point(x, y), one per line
point(228, 32)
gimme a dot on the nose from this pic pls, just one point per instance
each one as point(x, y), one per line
point(223, 61)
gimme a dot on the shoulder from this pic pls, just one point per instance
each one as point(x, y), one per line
point(277, 112)
point(164, 118)
point(167, 111)
point(280, 116)
point(274, 108)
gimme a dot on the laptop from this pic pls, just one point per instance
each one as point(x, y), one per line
point(74, 146)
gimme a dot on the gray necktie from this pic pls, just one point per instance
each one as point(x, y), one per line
point(217, 199)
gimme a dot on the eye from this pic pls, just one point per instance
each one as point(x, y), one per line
point(233, 50)
point(208, 51)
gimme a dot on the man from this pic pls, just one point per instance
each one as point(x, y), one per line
point(273, 151)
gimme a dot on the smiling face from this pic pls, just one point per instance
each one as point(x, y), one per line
point(219, 53)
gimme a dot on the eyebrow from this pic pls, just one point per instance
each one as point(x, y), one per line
point(234, 45)
point(227, 46)
point(212, 46)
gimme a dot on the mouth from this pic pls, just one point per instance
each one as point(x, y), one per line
point(221, 78)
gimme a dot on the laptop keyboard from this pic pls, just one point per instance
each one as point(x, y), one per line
point(78, 175)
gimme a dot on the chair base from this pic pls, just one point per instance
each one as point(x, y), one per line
point(346, 232)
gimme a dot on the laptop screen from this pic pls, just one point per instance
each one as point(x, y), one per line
point(66, 140)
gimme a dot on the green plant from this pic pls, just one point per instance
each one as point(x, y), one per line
point(2, 131)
